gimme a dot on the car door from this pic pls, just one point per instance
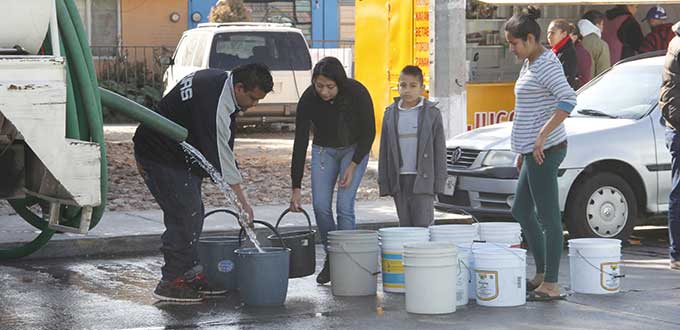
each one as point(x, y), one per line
point(663, 160)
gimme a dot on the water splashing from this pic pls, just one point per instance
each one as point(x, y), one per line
point(224, 187)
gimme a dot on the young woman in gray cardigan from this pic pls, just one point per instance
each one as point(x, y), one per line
point(412, 161)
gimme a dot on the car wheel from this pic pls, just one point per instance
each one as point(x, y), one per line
point(602, 205)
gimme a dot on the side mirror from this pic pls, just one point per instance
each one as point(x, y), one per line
point(167, 60)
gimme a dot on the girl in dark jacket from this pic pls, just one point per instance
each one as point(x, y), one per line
point(339, 110)
point(563, 47)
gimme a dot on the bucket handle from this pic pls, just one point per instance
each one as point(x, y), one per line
point(342, 246)
point(598, 268)
point(466, 267)
point(276, 232)
point(227, 211)
point(286, 211)
point(474, 218)
point(498, 245)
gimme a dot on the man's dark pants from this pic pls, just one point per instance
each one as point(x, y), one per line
point(178, 192)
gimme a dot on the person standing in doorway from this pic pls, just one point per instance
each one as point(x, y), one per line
point(202, 102)
point(559, 39)
point(661, 32)
point(669, 102)
point(340, 110)
point(591, 29)
point(412, 161)
point(543, 100)
point(622, 32)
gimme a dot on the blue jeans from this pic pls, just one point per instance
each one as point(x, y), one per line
point(178, 192)
point(673, 144)
point(328, 164)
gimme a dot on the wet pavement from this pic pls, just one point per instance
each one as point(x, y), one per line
point(116, 294)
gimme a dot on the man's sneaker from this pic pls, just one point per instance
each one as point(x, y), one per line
point(176, 291)
point(201, 284)
point(325, 274)
point(675, 264)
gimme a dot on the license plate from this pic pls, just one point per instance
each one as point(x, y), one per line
point(450, 186)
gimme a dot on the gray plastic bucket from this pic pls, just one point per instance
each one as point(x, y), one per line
point(263, 277)
point(217, 256)
point(219, 260)
point(301, 245)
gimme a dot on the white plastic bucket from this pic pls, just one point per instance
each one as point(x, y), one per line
point(472, 295)
point(392, 241)
point(463, 278)
point(429, 269)
point(500, 277)
point(455, 234)
point(595, 265)
point(501, 232)
point(353, 257)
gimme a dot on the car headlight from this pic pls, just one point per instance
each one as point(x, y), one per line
point(500, 158)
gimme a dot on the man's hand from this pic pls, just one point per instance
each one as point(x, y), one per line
point(241, 197)
point(296, 200)
point(346, 178)
point(249, 213)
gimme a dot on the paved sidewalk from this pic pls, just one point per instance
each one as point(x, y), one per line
point(139, 231)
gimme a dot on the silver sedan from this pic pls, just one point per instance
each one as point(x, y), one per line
point(617, 170)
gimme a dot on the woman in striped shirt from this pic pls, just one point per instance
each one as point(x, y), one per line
point(543, 99)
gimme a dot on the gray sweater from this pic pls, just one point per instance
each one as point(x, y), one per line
point(430, 153)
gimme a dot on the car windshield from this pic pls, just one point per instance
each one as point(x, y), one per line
point(277, 50)
point(626, 91)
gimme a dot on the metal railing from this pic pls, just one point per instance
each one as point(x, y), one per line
point(135, 72)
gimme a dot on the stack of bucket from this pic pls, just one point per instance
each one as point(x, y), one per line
point(428, 269)
point(392, 241)
point(501, 232)
point(594, 265)
point(455, 234)
point(353, 256)
point(463, 236)
point(500, 277)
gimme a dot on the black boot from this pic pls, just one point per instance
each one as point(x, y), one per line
point(325, 274)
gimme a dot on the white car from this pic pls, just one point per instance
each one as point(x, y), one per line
point(617, 172)
point(226, 45)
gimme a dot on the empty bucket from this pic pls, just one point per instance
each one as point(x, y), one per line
point(217, 256)
point(302, 247)
point(353, 256)
point(430, 271)
point(595, 265)
point(263, 277)
point(501, 232)
point(455, 234)
point(392, 242)
point(500, 277)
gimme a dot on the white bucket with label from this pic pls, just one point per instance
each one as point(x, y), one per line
point(353, 257)
point(595, 265)
point(501, 232)
point(429, 269)
point(472, 295)
point(500, 277)
point(392, 241)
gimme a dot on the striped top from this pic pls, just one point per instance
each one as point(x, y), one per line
point(540, 89)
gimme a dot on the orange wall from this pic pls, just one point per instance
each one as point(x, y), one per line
point(147, 22)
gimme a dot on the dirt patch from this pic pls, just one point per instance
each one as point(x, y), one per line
point(264, 159)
